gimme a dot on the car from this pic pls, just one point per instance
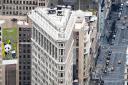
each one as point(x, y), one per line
point(101, 82)
point(125, 17)
point(109, 51)
point(114, 36)
point(112, 68)
point(107, 62)
point(119, 62)
point(102, 10)
point(119, 14)
point(122, 28)
point(123, 23)
point(105, 71)
point(111, 43)
point(108, 57)
point(126, 3)
point(118, 19)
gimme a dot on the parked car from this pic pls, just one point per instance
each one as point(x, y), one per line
point(108, 57)
point(122, 28)
point(119, 62)
point(107, 62)
point(112, 68)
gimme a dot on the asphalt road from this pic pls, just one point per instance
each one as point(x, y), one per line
point(115, 77)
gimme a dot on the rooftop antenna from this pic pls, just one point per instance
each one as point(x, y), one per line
point(79, 4)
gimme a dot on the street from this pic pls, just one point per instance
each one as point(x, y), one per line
point(111, 60)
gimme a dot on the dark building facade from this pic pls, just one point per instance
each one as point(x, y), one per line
point(10, 74)
point(24, 55)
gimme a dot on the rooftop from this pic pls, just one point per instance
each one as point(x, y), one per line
point(61, 20)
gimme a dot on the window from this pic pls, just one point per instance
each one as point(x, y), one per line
point(28, 67)
point(44, 43)
point(26, 8)
point(20, 2)
point(61, 81)
point(17, 2)
point(50, 48)
point(28, 40)
point(20, 29)
point(20, 77)
point(62, 45)
point(85, 44)
point(62, 68)
point(3, 12)
point(20, 62)
point(26, 2)
point(24, 72)
point(28, 62)
point(28, 56)
point(23, 2)
point(29, 8)
point(28, 78)
point(19, 34)
point(24, 78)
point(24, 51)
point(20, 8)
point(23, 40)
point(24, 45)
point(28, 45)
point(6, 12)
point(19, 83)
point(28, 51)
point(55, 53)
point(20, 72)
point(10, 13)
point(19, 40)
point(24, 56)
point(19, 67)
point(24, 67)
point(61, 51)
point(61, 59)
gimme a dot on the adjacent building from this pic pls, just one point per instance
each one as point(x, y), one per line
point(67, 2)
point(126, 69)
point(63, 44)
point(24, 59)
point(9, 72)
point(15, 46)
point(21, 7)
point(85, 45)
point(1, 25)
point(81, 4)
point(8, 53)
